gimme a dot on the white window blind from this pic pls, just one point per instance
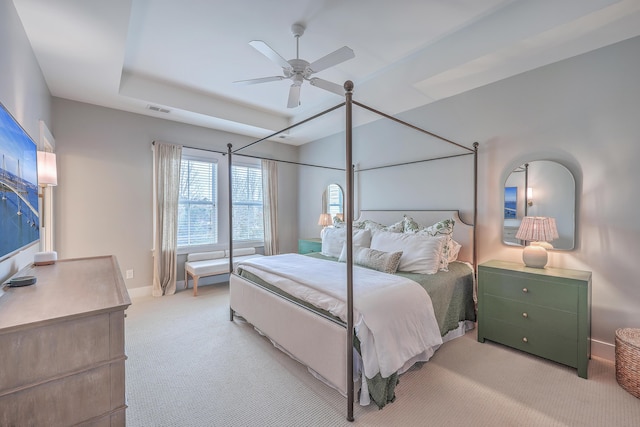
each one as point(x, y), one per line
point(197, 205)
point(247, 202)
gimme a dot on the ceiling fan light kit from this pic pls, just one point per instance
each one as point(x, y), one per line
point(298, 70)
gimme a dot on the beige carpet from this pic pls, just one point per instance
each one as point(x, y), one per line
point(190, 366)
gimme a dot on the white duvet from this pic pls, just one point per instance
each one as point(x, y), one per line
point(393, 316)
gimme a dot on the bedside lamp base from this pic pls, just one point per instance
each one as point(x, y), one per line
point(534, 256)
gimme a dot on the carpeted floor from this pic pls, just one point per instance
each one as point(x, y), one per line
point(190, 366)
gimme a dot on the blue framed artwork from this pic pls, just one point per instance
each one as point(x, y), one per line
point(19, 218)
point(510, 202)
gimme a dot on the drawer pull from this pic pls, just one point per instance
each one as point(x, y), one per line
point(525, 339)
point(525, 315)
point(525, 290)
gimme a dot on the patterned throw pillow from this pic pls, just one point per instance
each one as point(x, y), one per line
point(409, 225)
point(368, 224)
point(386, 262)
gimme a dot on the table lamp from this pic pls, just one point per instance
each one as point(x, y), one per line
point(539, 230)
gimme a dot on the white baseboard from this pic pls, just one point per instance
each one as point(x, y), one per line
point(603, 350)
point(147, 291)
point(143, 291)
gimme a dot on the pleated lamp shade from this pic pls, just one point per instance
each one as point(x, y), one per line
point(325, 220)
point(536, 229)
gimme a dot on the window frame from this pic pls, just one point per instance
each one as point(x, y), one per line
point(210, 157)
point(222, 194)
point(254, 164)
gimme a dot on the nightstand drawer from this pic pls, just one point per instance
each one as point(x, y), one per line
point(544, 319)
point(530, 290)
point(540, 343)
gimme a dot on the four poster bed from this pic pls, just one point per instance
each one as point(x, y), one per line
point(357, 314)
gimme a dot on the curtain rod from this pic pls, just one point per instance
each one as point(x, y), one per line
point(199, 148)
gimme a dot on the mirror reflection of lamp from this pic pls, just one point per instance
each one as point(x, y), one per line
point(47, 177)
point(325, 221)
point(539, 231)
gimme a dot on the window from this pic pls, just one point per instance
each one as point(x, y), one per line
point(197, 204)
point(335, 200)
point(247, 202)
point(203, 205)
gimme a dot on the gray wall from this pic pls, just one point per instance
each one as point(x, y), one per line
point(582, 112)
point(104, 192)
point(24, 93)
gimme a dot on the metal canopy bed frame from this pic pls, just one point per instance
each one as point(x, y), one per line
point(349, 215)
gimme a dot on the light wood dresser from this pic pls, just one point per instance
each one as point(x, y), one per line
point(62, 359)
point(543, 311)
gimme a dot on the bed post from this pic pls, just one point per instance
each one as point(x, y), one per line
point(475, 204)
point(230, 154)
point(348, 86)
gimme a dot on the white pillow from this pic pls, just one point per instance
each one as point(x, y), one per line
point(420, 252)
point(440, 228)
point(333, 239)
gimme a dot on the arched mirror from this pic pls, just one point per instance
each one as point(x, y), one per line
point(333, 200)
point(540, 188)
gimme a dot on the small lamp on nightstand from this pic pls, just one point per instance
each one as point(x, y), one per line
point(325, 220)
point(539, 230)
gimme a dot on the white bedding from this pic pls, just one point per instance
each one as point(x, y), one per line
point(393, 316)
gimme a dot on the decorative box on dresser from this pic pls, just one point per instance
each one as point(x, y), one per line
point(62, 359)
point(543, 311)
point(310, 245)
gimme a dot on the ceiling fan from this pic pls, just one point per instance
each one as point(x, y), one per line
point(298, 70)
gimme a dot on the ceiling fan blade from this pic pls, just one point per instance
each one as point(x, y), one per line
point(327, 85)
point(266, 50)
point(334, 58)
point(294, 96)
point(260, 80)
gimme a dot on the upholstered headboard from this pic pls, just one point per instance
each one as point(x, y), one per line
point(462, 232)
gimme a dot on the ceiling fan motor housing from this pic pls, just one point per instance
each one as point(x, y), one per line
point(299, 67)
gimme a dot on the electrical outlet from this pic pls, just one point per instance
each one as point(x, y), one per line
point(130, 274)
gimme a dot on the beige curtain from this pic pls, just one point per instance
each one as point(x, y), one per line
point(270, 206)
point(166, 167)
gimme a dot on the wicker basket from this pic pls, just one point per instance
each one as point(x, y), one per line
point(628, 360)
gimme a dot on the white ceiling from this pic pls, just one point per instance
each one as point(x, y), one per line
point(184, 56)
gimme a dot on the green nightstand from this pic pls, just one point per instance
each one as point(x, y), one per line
point(543, 311)
point(306, 246)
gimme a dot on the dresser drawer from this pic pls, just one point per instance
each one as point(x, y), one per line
point(534, 341)
point(558, 322)
point(530, 289)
